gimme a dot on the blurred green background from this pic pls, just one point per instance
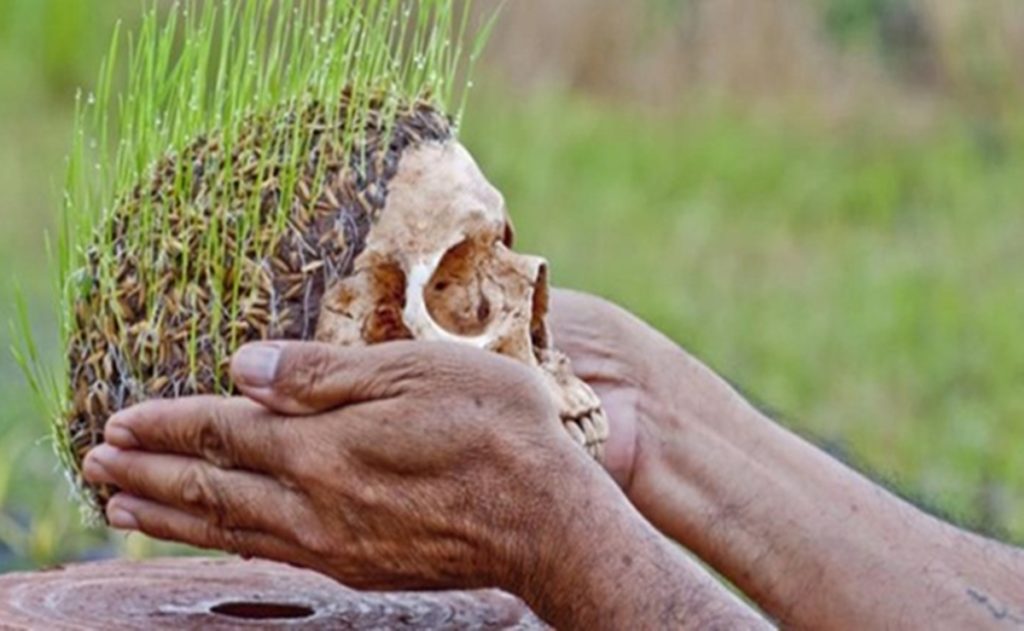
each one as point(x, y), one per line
point(820, 198)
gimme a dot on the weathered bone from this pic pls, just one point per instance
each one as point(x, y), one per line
point(417, 316)
point(437, 266)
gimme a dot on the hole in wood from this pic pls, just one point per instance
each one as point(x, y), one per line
point(262, 611)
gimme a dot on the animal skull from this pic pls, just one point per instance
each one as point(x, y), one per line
point(437, 266)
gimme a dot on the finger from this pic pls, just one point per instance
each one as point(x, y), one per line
point(230, 499)
point(301, 378)
point(230, 433)
point(127, 512)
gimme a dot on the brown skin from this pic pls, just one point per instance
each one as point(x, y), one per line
point(405, 465)
point(369, 468)
point(814, 543)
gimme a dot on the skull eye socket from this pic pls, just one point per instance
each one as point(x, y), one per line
point(508, 236)
point(457, 295)
point(478, 283)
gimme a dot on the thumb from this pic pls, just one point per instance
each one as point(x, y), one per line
point(303, 378)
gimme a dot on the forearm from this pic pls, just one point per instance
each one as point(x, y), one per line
point(816, 544)
point(610, 569)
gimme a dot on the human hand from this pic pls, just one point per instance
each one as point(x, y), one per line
point(617, 355)
point(405, 465)
point(653, 391)
point(814, 543)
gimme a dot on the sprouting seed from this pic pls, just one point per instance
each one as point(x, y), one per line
point(165, 268)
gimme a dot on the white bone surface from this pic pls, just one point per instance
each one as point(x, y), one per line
point(417, 317)
point(441, 232)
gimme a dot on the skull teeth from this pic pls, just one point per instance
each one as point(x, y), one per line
point(590, 431)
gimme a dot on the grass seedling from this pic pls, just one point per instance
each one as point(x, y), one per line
point(205, 160)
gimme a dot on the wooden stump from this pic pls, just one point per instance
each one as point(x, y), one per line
point(216, 594)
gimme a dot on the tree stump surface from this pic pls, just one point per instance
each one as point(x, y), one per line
point(222, 594)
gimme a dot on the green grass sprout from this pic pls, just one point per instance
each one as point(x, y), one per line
point(193, 160)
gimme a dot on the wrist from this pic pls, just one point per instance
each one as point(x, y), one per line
point(596, 563)
point(765, 508)
point(557, 522)
point(557, 560)
point(694, 429)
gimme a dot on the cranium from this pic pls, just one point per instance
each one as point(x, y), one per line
point(438, 265)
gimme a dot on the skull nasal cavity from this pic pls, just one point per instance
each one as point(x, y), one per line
point(459, 294)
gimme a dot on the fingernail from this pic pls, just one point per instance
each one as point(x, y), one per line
point(120, 436)
point(96, 462)
point(256, 365)
point(121, 519)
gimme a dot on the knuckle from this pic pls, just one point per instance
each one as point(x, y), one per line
point(423, 369)
point(204, 435)
point(303, 372)
point(198, 491)
point(406, 360)
point(211, 437)
point(252, 434)
point(236, 542)
point(226, 539)
point(313, 540)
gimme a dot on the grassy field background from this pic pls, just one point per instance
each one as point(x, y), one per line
point(822, 199)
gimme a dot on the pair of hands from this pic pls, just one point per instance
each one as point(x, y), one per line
point(414, 465)
point(405, 465)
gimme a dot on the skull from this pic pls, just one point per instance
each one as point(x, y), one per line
point(438, 266)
